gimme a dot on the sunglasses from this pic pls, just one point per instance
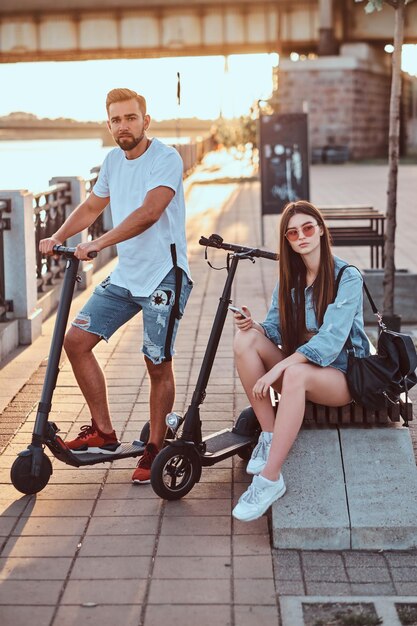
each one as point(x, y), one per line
point(308, 230)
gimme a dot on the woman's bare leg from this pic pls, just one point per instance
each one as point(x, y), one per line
point(255, 355)
point(325, 385)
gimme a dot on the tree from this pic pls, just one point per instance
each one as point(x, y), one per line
point(393, 147)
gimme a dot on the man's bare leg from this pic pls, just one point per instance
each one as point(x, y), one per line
point(161, 398)
point(79, 346)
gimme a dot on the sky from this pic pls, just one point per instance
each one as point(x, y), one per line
point(78, 89)
point(209, 85)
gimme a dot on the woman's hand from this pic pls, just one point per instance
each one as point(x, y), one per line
point(243, 323)
point(262, 385)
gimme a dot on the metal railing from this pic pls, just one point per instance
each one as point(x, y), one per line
point(49, 212)
point(5, 224)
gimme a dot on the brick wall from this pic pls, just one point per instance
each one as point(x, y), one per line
point(347, 100)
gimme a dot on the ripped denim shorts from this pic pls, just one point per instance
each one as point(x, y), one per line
point(111, 306)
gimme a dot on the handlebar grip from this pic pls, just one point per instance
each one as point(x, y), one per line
point(216, 241)
point(71, 251)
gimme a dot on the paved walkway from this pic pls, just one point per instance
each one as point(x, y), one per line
point(91, 548)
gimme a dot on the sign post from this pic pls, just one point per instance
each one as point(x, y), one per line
point(284, 161)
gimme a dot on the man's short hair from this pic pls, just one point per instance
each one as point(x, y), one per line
point(123, 94)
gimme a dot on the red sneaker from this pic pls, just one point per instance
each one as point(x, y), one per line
point(142, 473)
point(92, 439)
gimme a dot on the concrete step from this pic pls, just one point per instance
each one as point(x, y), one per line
point(352, 488)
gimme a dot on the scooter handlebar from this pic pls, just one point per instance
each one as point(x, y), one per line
point(71, 251)
point(215, 241)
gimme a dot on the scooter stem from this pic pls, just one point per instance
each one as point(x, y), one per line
point(52, 369)
point(192, 424)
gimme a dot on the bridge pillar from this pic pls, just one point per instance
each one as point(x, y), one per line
point(20, 266)
point(327, 44)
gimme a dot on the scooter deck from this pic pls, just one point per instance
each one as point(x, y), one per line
point(223, 444)
point(126, 450)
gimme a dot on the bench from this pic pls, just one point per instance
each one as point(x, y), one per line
point(362, 225)
point(351, 414)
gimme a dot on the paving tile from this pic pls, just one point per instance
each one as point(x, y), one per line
point(130, 545)
point(254, 591)
point(12, 507)
point(28, 568)
point(364, 559)
point(190, 591)
point(190, 545)
point(328, 589)
point(291, 573)
point(178, 567)
point(32, 592)
point(24, 615)
point(374, 589)
point(259, 615)
point(69, 492)
point(104, 592)
point(316, 558)
point(368, 574)
point(286, 558)
point(50, 526)
point(41, 546)
point(405, 574)
point(252, 566)
point(177, 525)
point(201, 507)
point(188, 615)
point(59, 508)
point(130, 525)
point(126, 615)
point(245, 545)
point(406, 589)
point(323, 574)
point(257, 527)
point(127, 507)
point(402, 559)
point(290, 588)
point(127, 491)
point(110, 567)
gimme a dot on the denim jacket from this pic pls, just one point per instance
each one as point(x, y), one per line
point(343, 318)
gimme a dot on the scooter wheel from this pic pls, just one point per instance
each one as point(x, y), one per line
point(175, 471)
point(20, 474)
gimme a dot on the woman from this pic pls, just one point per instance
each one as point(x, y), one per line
point(299, 349)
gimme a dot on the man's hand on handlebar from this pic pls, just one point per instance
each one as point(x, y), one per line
point(46, 246)
point(83, 250)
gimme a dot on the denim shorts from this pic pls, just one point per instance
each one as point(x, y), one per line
point(111, 306)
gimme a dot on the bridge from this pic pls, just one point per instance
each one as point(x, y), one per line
point(41, 30)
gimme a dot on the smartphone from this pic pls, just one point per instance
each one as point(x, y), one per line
point(235, 309)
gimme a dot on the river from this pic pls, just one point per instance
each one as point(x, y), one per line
point(31, 164)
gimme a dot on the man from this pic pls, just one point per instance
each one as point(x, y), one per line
point(142, 180)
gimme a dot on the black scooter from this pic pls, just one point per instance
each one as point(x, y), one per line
point(32, 469)
point(177, 467)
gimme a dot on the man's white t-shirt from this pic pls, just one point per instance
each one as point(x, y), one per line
point(146, 259)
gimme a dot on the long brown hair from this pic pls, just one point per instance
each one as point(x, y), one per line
point(292, 275)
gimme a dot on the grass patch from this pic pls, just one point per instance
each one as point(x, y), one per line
point(340, 614)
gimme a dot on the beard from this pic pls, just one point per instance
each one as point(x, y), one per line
point(129, 142)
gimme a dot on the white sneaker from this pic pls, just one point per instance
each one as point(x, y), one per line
point(258, 498)
point(260, 454)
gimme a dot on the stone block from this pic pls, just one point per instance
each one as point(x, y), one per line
point(381, 488)
point(313, 513)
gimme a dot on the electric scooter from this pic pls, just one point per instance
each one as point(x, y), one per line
point(177, 467)
point(32, 469)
